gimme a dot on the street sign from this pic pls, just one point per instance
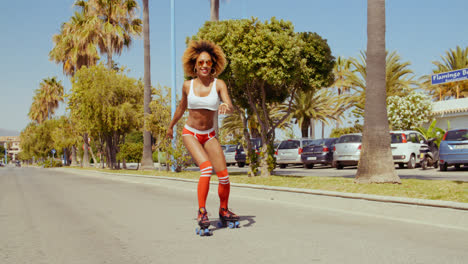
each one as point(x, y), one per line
point(447, 77)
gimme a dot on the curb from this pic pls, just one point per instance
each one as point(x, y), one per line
point(358, 196)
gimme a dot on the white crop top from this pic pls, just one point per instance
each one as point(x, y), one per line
point(210, 102)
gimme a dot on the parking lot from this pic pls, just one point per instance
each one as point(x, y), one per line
point(350, 172)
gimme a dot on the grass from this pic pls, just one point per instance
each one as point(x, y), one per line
point(456, 191)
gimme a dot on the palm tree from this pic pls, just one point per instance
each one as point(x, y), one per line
point(46, 100)
point(376, 162)
point(74, 46)
point(147, 159)
point(342, 72)
point(321, 105)
point(233, 123)
point(214, 7)
point(114, 22)
point(453, 60)
point(398, 78)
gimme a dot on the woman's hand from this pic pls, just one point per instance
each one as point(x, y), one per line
point(170, 133)
point(224, 109)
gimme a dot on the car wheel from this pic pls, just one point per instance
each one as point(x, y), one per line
point(412, 162)
point(436, 164)
point(457, 166)
point(240, 164)
point(282, 166)
point(401, 165)
point(443, 167)
point(309, 166)
point(339, 166)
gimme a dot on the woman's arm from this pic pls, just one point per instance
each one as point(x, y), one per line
point(179, 111)
point(226, 106)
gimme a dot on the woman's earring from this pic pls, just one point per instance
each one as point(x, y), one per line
point(213, 72)
point(195, 69)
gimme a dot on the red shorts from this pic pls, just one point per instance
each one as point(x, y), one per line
point(202, 136)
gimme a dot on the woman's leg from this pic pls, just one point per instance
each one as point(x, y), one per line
point(216, 156)
point(201, 158)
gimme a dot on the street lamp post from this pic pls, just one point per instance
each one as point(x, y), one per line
point(6, 153)
point(173, 75)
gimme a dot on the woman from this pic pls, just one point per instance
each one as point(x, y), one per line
point(201, 95)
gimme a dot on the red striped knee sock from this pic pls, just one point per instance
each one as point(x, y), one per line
point(224, 188)
point(204, 183)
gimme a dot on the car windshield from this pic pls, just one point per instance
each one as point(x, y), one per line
point(397, 138)
point(231, 149)
point(457, 135)
point(312, 142)
point(349, 139)
point(289, 144)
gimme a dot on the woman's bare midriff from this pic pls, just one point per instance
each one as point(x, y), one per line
point(201, 119)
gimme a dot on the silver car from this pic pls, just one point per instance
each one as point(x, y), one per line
point(347, 150)
point(230, 154)
point(289, 151)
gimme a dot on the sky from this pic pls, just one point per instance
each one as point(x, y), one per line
point(420, 31)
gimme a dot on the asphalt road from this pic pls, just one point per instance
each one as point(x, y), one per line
point(56, 217)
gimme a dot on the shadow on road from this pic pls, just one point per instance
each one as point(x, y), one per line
point(244, 220)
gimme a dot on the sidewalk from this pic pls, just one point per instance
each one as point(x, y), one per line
point(441, 214)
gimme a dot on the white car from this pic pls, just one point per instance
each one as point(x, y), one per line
point(289, 151)
point(230, 155)
point(406, 145)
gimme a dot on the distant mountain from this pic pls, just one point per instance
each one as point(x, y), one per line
point(6, 132)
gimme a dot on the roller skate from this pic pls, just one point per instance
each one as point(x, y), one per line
point(228, 219)
point(203, 222)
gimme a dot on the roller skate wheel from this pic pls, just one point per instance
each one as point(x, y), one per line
point(231, 225)
point(237, 224)
point(220, 224)
point(197, 230)
point(207, 232)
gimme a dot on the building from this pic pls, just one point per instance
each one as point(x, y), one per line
point(454, 111)
point(12, 144)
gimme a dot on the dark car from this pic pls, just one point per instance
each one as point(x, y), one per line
point(319, 152)
point(453, 150)
point(240, 153)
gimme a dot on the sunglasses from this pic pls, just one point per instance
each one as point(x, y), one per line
point(207, 62)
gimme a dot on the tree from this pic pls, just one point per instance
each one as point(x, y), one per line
point(408, 112)
point(399, 79)
point(233, 125)
point(432, 132)
point(147, 161)
point(75, 46)
point(376, 161)
point(214, 10)
point(115, 23)
point(46, 100)
point(320, 106)
point(454, 59)
point(108, 104)
point(65, 136)
point(268, 63)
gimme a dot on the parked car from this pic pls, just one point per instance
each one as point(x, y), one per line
point(406, 146)
point(230, 154)
point(347, 150)
point(289, 151)
point(318, 152)
point(240, 155)
point(453, 149)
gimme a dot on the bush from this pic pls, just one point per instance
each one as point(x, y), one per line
point(51, 163)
